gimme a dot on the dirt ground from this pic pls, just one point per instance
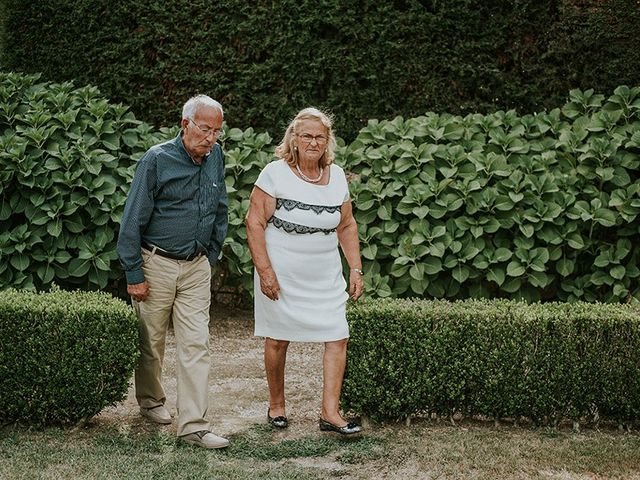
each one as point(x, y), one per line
point(238, 396)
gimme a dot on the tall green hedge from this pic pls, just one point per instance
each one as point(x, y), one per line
point(361, 59)
point(544, 362)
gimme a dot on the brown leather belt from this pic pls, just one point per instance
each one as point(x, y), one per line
point(164, 253)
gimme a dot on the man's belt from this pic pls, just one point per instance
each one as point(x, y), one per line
point(172, 256)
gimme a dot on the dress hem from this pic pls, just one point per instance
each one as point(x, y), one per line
point(298, 339)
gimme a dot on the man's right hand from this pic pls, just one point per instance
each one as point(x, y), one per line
point(139, 291)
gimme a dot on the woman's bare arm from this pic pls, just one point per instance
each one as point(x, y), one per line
point(261, 208)
point(348, 237)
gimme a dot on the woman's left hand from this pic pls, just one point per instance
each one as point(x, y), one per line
point(356, 286)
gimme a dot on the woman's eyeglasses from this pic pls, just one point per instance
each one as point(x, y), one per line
point(308, 138)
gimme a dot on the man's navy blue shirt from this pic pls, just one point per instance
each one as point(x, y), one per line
point(174, 204)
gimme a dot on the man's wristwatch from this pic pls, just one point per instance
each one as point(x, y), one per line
point(357, 270)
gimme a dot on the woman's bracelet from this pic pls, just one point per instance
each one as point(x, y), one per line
point(357, 270)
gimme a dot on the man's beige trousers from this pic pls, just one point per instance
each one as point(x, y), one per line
point(179, 291)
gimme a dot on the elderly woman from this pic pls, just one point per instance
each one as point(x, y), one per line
point(300, 211)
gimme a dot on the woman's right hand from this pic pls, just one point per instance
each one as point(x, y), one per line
point(269, 284)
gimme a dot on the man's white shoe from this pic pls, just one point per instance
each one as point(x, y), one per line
point(205, 439)
point(158, 414)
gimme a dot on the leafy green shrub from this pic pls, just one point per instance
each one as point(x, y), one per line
point(541, 206)
point(67, 157)
point(498, 358)
point(65, 355)
point(538, 207)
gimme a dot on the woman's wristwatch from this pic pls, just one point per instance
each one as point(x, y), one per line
point(357, 270)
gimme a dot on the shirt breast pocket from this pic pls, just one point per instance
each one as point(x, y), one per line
point(211, 196)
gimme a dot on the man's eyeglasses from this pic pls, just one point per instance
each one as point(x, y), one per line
point(308, 138)
point(217, 132)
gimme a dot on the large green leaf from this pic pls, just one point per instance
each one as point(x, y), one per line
point(565, 267)
point(496, 274)
point(46, 273)
point(432, 265)
point(54, 228)
point(19, 261)
point(502, 254)
point(79, 267)
point(617, 272)
point(460, 273)
point(515, 269)
point(605, 217)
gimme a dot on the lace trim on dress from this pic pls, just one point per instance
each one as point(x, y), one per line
point(290, 227)
point(291, 204)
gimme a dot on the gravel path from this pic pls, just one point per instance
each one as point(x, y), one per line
point(238, 396)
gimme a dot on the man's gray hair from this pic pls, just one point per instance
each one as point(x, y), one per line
point(194, 103)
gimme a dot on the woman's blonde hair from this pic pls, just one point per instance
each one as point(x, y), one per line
point(287, 151)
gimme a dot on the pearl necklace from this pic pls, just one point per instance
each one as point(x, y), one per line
point(307, 179)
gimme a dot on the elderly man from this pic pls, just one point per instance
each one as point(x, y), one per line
point(174, 223)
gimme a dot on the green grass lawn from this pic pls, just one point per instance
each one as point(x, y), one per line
point(424, 450)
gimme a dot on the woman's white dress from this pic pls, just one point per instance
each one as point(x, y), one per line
point(302, 245)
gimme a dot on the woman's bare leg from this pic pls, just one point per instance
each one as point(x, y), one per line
point(333, 362)
point(275, 356)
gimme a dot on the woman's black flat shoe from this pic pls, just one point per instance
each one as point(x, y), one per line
point(349, 429)
point(278, 422)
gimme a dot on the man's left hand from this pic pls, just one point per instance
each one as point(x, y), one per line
point(139, 291)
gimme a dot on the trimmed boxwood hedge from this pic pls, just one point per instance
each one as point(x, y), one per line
point(545, 362)
point(65, 355)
